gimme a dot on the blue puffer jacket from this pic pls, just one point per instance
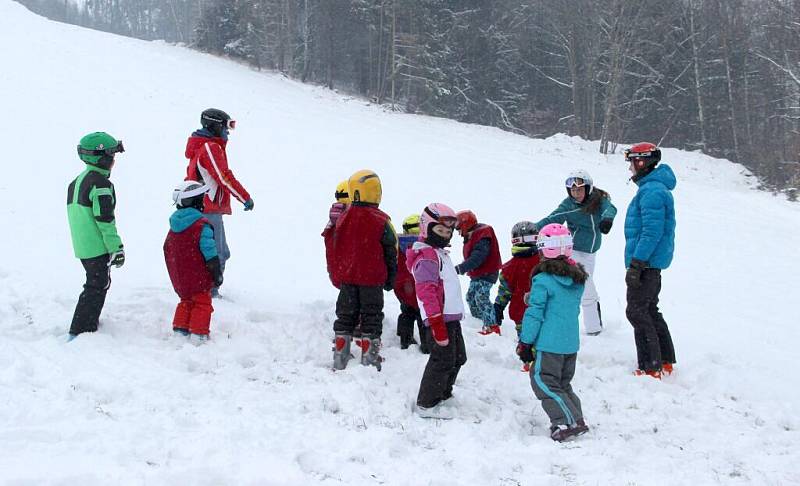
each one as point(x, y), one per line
point(586, 236)
point(650, 220)
point(550, 322)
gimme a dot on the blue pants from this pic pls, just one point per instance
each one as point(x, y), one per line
point(219, 237)
point(478, 300)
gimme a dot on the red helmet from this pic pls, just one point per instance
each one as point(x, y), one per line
point(465, 221)
point(644, 155)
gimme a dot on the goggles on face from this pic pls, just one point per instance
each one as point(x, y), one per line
point(575, 182)
point(231, 124)
point(518, 240)
point(546, 242)
point(448, 221)
point(103, 151)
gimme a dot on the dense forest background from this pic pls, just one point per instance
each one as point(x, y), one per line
point(720, 76)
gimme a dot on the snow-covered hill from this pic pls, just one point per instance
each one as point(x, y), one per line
point(259, 404)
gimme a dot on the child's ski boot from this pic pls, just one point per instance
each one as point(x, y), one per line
point(370, 347)
point(651, 373)
point(493, 329)
point(341, 351)
point(666, 369)
point(406, 340)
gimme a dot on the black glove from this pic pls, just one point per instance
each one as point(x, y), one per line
point(633, 277)
point(117, 259)
point(458, 270)
point(526, 352)
point(605, 226)
point(215, 270)
point(498, 314)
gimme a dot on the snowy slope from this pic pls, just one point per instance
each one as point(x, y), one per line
point(259, 404)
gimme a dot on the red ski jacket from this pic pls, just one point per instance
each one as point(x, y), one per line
point(185, 262)
point(360, 256)
point(517, 276)
point(208, 163)
point(493, 261)
point(404, 285)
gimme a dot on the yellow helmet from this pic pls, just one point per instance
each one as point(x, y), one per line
point(342, 193)
point(411, 225)
point(365, 187)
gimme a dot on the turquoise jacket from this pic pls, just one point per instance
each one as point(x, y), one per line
point(550, 322)
point(586, 236)
point(650, 220)
point(185, 217)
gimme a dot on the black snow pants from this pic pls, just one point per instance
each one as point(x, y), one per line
point(443, 366)
point(93, 297)
point(653, 340)
point(359, 304)
point(405, 324)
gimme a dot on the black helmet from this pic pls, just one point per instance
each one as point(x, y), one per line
point(190, 194)
point(524, 234)
point(216, 121)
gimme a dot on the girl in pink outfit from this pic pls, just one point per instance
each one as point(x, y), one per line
point(441, 306)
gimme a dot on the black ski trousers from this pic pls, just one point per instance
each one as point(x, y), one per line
point(93, 297)
point(405, 324)
point(443, 366)
point(356, 304)
point(653, 340)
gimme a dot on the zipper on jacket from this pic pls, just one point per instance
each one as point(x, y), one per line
point(594, 233)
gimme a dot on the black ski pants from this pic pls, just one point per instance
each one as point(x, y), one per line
point(356, 304)
point(650, 331)
point(405, 323)
point(93, 297)
point(443, 366)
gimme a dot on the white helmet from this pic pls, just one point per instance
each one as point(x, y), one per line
point(579, 178)
point(189, 194)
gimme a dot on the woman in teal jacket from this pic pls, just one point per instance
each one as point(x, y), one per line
point(589, 215)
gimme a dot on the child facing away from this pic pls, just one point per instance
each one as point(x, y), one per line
point(192, 261)
point(404, 289)
point(364, 265)
point(515, 276)
point(342, 197)
point(482, 264)
point(549, 338)
point(441, 307)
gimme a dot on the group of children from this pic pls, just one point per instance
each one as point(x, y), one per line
point(544, 285)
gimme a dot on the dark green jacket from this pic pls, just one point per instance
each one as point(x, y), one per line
point(90, 209)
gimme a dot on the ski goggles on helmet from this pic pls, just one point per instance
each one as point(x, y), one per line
point(230, 124)
point(448, 221)
point(408, 227)
point(547, 242)
point(574, 182)
point(118, 148)
point(519, 240)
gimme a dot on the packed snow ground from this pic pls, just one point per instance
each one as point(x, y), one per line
point(259, 404)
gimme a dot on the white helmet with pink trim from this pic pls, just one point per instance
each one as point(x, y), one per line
point(554, 240)
point(433, 214)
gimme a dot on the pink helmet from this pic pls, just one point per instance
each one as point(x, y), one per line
point(554, 240)
point(433, 214)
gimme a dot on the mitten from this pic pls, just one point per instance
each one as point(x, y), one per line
point(439, 330)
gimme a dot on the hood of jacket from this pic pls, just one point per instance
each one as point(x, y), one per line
point(566, 272)
point(663, 174)
point(183, 218)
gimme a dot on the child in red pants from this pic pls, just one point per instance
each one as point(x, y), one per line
point(192, 261)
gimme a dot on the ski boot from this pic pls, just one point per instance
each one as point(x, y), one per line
point(493, 329)
point(341, 351)
point(370, 347)
point(180, 331)
point(198, 339)
point(666, 369)
point(651, 373)
point(406, 341)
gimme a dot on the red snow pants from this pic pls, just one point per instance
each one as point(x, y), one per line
point(194, 314)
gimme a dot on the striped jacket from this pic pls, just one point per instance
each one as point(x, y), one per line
point(208, 163)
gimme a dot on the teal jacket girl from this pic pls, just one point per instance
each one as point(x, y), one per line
point(584, 219)
point(550, 322)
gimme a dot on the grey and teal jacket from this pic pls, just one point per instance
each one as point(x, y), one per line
point(586, 235)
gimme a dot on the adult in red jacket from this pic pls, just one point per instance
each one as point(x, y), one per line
point(208, 164)
point(482, 264)
point(364, 264)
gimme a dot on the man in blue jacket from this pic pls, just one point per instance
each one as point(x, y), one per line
point(649, 244)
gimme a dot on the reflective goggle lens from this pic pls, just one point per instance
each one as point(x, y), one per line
point(231, 124)
point(575, 182)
